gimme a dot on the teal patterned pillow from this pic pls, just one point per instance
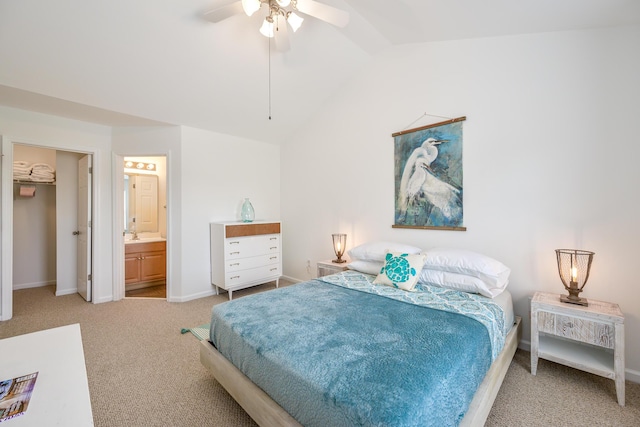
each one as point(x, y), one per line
point(401, 270)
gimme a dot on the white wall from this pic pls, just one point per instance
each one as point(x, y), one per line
point(208, 175)
point(550, 149)
point(18, 126)
point(218, 172)
point(34, 231)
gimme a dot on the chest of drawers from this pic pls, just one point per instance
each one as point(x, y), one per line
point(245, 254)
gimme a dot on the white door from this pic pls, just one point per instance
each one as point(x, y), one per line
point(146, 190)
point(84, 227)
point(66, 222)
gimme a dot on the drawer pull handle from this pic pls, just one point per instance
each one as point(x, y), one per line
point(273, 269)
point(234, 253)
point(235, 263)
point(234, 277)
point(273, 238)
point(234, 243)
point(274, 257)
point(273, 247)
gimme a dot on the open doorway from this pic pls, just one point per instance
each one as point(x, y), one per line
point(145, 226)
point(46, 226)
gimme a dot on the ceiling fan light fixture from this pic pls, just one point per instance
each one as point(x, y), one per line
point(284, 3)
point(267, 27)
point(251, 6)
point(294, 20)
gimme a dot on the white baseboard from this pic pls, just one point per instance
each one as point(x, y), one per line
point(66, 292)
point(213, 292)
point(631, 375)
point(108, 298)
point(19, 286)
point(192, 296)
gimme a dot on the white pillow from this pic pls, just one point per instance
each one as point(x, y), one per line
point(459, 282)
point(376, 251)
point(401, 270)
point(492, 272)
point(368, 267)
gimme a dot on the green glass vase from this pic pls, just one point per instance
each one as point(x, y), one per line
point(247, 214)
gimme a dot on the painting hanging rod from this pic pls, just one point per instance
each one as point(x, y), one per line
point(450, 120)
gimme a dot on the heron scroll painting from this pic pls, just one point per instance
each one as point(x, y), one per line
point(428, 176)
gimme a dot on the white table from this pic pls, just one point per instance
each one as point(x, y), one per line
point(61, 393)
point(329, 267)
point(586, 338)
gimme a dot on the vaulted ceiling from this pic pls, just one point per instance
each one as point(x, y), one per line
point(150, 62)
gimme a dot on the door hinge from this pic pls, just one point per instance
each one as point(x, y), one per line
point(89, 277)
point(134, 186)
point(89, 223)
point(91, 169)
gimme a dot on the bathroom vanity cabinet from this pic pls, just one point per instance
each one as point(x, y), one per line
point(145, 264)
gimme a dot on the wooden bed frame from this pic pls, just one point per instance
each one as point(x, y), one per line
point(266, 412)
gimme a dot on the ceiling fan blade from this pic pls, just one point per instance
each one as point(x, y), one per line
point(224, 12)
point(330, 14)
point(281, 35)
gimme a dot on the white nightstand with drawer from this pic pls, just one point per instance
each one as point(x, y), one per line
point(588, 338)
point(329, 267)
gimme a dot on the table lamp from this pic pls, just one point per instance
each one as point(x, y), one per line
point(574, 266)
point(339, 243)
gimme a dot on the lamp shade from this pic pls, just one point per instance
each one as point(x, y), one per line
point(267, 27)
point(250, 6)
point(574, 266)
point(339, 243)
point(294, 20)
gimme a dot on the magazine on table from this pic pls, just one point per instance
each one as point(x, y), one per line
point(15, 395)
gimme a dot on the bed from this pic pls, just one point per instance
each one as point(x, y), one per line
point(343, 350)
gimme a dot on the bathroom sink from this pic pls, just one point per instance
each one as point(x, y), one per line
point(144, 239)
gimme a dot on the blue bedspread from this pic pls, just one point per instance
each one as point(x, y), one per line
point(480, 308)
point(333, 356)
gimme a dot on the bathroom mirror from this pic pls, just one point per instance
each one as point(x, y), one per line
point(140, 203)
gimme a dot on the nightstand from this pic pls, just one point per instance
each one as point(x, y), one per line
point(329, 267)
point(587, 338)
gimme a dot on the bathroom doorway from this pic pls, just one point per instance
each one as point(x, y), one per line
point(145, 226)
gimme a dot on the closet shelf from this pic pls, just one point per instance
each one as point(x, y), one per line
point(17, 181)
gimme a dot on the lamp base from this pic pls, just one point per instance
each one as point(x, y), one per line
point(339, 261)
point(577, 301)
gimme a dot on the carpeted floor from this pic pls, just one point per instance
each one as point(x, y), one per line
point(143, 372)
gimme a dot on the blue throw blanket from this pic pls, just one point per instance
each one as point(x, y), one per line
point(480, 308)
point(333, 356)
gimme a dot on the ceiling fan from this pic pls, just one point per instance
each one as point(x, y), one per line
point(279, 14)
